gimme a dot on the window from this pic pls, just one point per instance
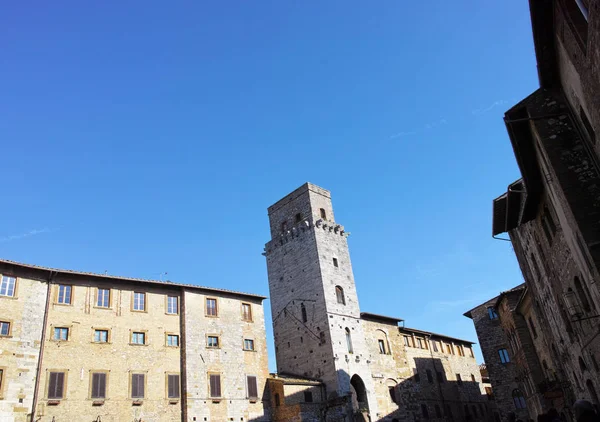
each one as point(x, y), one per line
point(212, 341)
point(211, 307)
point(173, 386)
point(303, 311)
point(587, 125)
point(323, 214)
point(308, 398)
point(173, 340)
point(138, 337)
point(246, 312)
point(438, 411)
point(335, 262)
point(139, 301)
point(488, 392)
point(440, 377)
point(298, 217)
point(64, 294)
point(459, 379)
point(215, 385)
point(339, 294)
point(277, 400)
point(248, 344)
point(421, 343)
point(582, 364)
point(582, 296)
point(4, 328)
point(434, 345)
point(492, 313)
point(252, 387)
point(1, 380)
point(449, 349)
point(61, 334)
point(172, 305)
point(503, 355)
point(473, 378)
point(138, 384)
point(518, 399)
point(577, 19)
point(349, 341)
point(7, 287)
point(103, 298)
point(407, 341)
point(548, 224)
point(284, 226)
point(381, 344)
point(532, 327)
point(461, 351)
point(98, 385)
point(56, 385)
point(471, 352)
point(429, 376)
point(100, 336)
point(424, 411)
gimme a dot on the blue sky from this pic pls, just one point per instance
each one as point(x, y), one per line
point(141, 138)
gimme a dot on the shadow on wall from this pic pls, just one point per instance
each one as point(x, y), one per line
point(427, 395)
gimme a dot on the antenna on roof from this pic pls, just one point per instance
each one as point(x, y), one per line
point(105, 272)
point(161, 275)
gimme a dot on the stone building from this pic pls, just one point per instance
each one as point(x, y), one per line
point(366, 364)
point(83, 346)
point(551, 214)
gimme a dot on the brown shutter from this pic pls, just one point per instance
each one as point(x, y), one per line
point(137, 386)
point(215, 385)
point(60, 380)
point(252, 387)
point(173, 387)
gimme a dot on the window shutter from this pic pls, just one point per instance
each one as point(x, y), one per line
point(137, 386)
point(95, 386)
point(173, 386)
point(252, 387)
point(102, 385)
point(60, 379)
point(215, 385)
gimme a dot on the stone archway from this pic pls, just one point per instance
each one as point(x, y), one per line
point(360, 403)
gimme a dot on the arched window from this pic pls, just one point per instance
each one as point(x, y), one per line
point(391, 385)
point(518, 399)
point(323, 214)
point(582, 364)
point(582, 296)
point(339, 294)
point(349, 341)
point(303, 310)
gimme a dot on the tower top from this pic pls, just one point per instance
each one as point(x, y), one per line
point(298, 192)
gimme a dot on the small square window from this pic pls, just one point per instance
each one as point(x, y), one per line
point(211, 307)
point(4, 328)
point(138, 337)
point(101, 336)
point(103, 299)
point(173, 340)
point(61, 334)
point(248, 344)
point(139, 301)
point(7, 286)
point(64, 294)
point(213, 342)
point(335, 262)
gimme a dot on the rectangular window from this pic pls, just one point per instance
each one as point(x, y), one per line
point(503, 355)
point(308, 398)
point(420, 342)
point(139, 301)
point(100, 336)
point(7, 286)
point(211, 307)
point(173, 340)
point(381, 344)
point(212, 341)
point(61, 334)
point(172, 305)
point(103, 299)
point(138, 337)
point(449, 349)
point(98, 385)
point(492, 313)
point(473, 378)
point(4, 328)
point(532, 327)
point(335, 262)
point(471, 352)
point(460, 349)
point(407, 341)
point(173, 386)
point(248, 344)
point(138, 386)
point(252, 387)
point(215, 385)
point(56, 385)
point(64, 294)
point(458, 379)
point(246, 312)
point(434, 344)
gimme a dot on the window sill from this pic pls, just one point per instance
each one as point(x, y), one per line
point(53, 402)
point(58, 341)
point(247, 320)
point(106, 308)
point(6, 336)
point(216, 400)
point(63, 304)
point(173, 401)
point(172, 347)
point(98, 402)
point(171, 314)
point(211, 316)
point(137, 402)
point(137, 344)
point(253, 399)
point(249, 350)
point(140, 311)
point(213, 348)
point(8, 297)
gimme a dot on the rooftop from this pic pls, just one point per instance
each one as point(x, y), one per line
point(388, 319)
point(429, 333)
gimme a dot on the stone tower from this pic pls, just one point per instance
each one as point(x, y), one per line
point(316, 316)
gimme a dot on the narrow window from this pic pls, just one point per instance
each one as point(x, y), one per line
point(172, 305)
point(335, 262)
point(535, 266)
point(434, 344)
point(429, 376)
point(438, 411)
point(56, 384)
point(471, 352)
point(1, 379)
point(138, 337)
point(582, 296)
point(577, 18)
point(339, 294)
point(298, 217)
point(420, 342)
point(322, 337)
point(459, 379)
point(308, 398)
point(173, 386)
point(98, 385)
point(248, 344)
point(518, 399)
point(349, 341)
point(173, 340)
point(284, 226)
point(138, 386)
point(392, 391)
point(247, 312)
point(303, 311)
point(211, 307)
point(582, 364)
point(504, 358)
point(532, 327)
point(7, 287)
point(64, 294)
point(381, 346)
point(277, 400)
point(323, 214)
point(100, 336)
point(139, 301)
point(61, 333)
point(424, 411)
point(407, 342)
point(215, 385)
point(252, 387)
point(4, 329)
point(440, 377)
point(492, 313)
point(461, 351)
point(473, 378)
point(103, 299)
point(449, 349)
point(213, 342)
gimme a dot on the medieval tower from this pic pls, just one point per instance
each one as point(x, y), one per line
point(316, 315)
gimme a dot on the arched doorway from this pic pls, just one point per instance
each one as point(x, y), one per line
point(359, 394)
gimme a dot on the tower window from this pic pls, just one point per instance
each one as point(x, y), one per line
point(323, 214)
point(284, 226)
point(298, 217)
point(303, 310)
point(492, 313)
point(504, 358)
point(582, 296)
point(339, 294)
point(308, 397)
point(335, 262)
point(349, 341)
point(518, 399)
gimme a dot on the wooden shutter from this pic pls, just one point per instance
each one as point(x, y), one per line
point(98, 386)
point(215, 385)
point(137, 386)
point(173, 386)
point(252, 387)
point(55, 385)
